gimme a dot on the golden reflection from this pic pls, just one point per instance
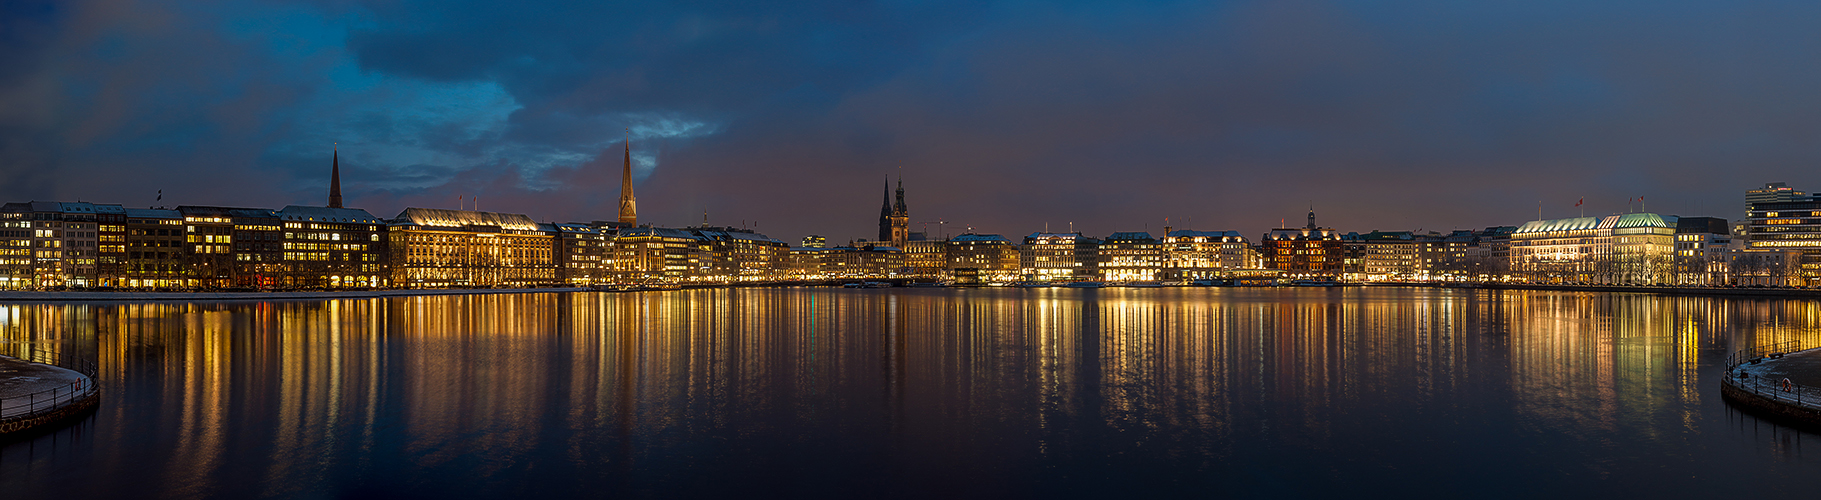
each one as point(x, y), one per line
point(607, 378)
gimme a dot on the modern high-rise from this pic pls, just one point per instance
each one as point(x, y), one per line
point(1780, 221)
point(1774, 192)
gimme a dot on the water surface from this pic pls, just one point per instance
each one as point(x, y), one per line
point(914, 393)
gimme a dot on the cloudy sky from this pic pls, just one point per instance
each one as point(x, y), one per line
point(1001, 116)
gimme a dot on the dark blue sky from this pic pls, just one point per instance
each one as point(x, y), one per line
point(1394, 115)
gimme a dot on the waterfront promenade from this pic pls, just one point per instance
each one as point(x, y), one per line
point(1785, 385)
point(37, 394)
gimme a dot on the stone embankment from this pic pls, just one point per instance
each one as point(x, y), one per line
point(35, 395)
point(1783, 385)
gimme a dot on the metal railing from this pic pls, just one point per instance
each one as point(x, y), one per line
point(53, 399)
point(1782, 390)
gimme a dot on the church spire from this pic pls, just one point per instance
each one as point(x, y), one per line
point(335, 179)
point(899, 209)
point(629, 207)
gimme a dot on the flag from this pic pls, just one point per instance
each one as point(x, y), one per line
point(160, 195)
point(1578, 203)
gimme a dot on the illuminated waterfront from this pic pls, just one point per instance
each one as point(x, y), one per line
point(916, 392)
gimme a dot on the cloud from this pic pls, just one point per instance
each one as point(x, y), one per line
point(1003, 116)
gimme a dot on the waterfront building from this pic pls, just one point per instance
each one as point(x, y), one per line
point(807, 262)
point(815, 241)
point(581, 252)
point(232, 247)
point(1701, 251)
point(1387, 256)
point(737, 254)
point(156, 248)
point(656, 254)
point(1765, 267)
point(894, 220)
point(439, 248)
point(981, 258)
point(1493, 253)
point(66, 247)
point(1308, 251)
point(1788, 225)
point(1130, 256)
point(1628, 249)
point(15, 251)
point(862, 261)
point(1059, 257)
point(331, 247)
point(925, 258)
point(1190, 255)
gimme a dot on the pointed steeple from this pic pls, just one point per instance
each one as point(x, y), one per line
point(335, 179)
point(899, 208)
point(629, 206)
point(885, 208)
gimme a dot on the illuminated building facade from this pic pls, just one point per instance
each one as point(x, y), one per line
point(66, 247)
point(582, 253)
point(1059, 257)
point(439, 248)
point(1309, 251)
point(1191, 255)
point(981, 258)
point(806, 262)
point(15, 251)
point(1130, 256)
point(232, 247)
point(156, 249)
point(656, 254)
point(862, 261)
point(330, 247)
point(1788, 225)
point(1388, 256)
point(1628, 249)
point(742, 255)
point(926, 258)
point(1701, 247)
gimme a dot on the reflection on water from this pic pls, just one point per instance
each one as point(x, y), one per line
point(830, 392)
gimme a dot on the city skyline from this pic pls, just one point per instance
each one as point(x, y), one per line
point(1003, 118)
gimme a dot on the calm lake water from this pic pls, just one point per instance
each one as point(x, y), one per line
point(917, 393)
